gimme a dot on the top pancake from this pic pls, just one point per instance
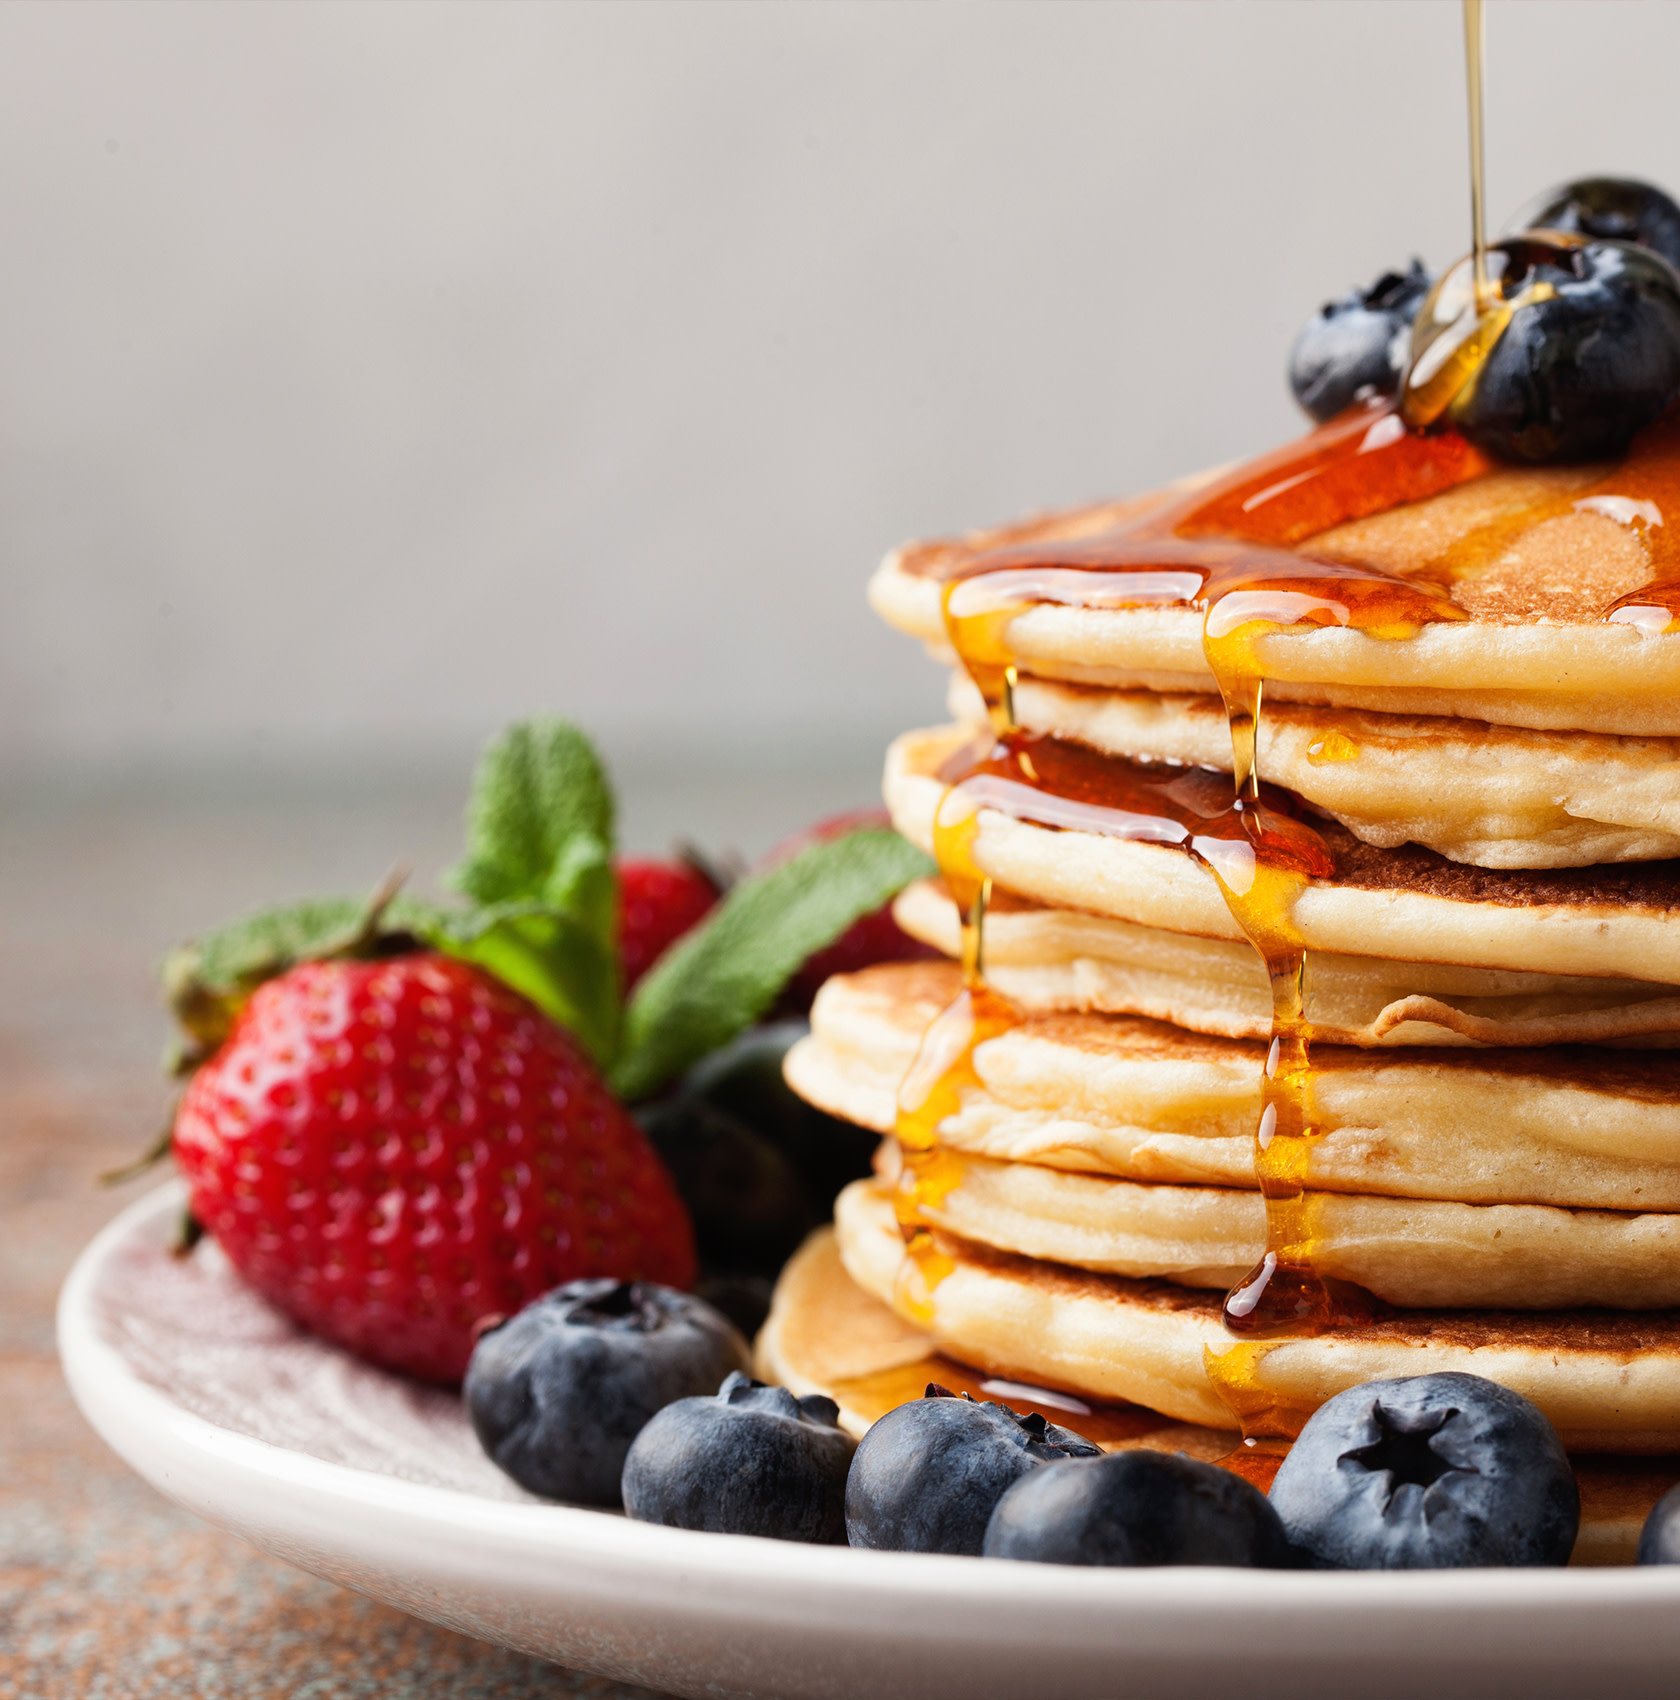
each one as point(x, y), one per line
point(1533, 574)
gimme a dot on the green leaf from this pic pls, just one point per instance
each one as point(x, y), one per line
point(207, 982)
point(539, 868)
point(567, 971)
point(726, 973)
point(248, 949)
point(539, 820)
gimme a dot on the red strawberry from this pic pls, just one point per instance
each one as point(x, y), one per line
point(875, 937)
point(392, 1150)
point(657, 903)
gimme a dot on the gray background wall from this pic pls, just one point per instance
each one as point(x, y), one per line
point(370, 374)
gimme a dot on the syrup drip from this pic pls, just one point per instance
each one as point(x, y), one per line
point(1466, 314)
point(1468, 310)
point(1639, 494)
point(1642, 494)
point(1262, 854)
point(1475, 44)
point(943, 1069)
point(1285, 1295)
point(1334, 746)
point(1227, 550)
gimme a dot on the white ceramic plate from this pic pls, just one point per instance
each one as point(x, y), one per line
point(374, 1483)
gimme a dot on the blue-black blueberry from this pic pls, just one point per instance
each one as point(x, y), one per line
point(1428, 1472)
point(1591, 356)
point(1358, 344)
point(1659, 1540)
point(757, 1167)
point(1137, 1508)
point(558, 1392)
point(751, 1460)
point(1620, 208)
point(926, 1477)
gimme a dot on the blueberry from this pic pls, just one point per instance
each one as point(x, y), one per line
point(1659, 1540)
point(1428, 1472)
point(751, 1460)
point(558, 1393)
point(1136, 1508)
point(1588, 360)
point(745, 1080)
point(927, 1475)
point(1620, 208)
point(757, 1167)
point(1357, 344)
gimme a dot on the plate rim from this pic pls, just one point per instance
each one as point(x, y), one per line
point(827, 1582)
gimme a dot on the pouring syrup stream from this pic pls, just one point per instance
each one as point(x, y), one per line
point(1475, 45)
point(1230, 551)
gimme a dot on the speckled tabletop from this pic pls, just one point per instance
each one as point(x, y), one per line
point(108, 1591)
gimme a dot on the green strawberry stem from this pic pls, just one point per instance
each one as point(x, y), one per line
point(148, 1159)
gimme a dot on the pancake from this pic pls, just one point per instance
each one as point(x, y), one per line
point(1609, 1381)
point(1143, 1101)
point(1493, 796)
point(1408, 905)
point(1062, 959)
point(1417, 1253)
point(1533, 574)
point(826, 1335)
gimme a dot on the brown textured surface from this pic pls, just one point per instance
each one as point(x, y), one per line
point(1650, 886)
point(107, 1591)
point(1413, 540)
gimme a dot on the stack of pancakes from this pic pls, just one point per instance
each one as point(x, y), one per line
point(1492, 982)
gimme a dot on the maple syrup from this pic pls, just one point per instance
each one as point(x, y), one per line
point(1639, 493)
point(1286, 1295)
point(1475, 45)
point(1643, 495)
point(1108, 1425)
point(1230, 549)
point(943, 1068)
